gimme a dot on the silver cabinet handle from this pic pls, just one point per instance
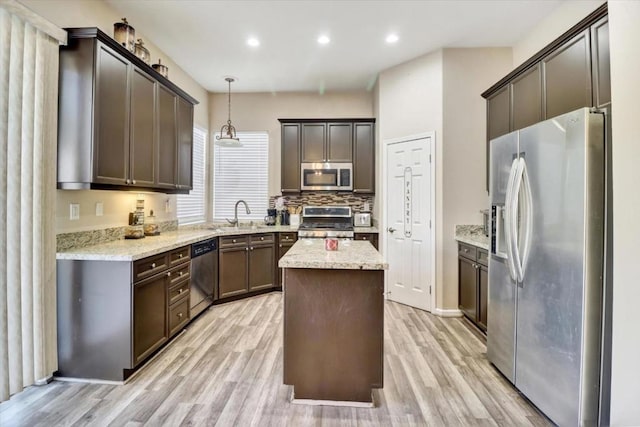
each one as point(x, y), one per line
point(391, 229)
point(153, 265)
point(179, 255)
point(280, 246)
point(246, 249)
point(466, 251)
point(180, 290)
point(180, 315)
point(251, 248)
point(128, 181)
point(181, 273)
point(234, 240)
point(133, 181)
point(169, 274)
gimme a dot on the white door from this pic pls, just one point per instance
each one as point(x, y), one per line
point(408, 213)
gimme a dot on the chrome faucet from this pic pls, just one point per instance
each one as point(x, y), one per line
point(234, 221)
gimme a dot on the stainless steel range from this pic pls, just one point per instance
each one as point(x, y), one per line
point(326, 221)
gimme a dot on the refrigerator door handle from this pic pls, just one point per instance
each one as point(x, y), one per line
point(527, 216)
point(515, 224)
point(508, 219)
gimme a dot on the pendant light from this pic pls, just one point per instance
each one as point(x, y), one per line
point(227, 137)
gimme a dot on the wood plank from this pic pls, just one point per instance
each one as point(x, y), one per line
point(227, 369)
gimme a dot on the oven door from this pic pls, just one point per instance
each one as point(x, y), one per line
point(326, 176)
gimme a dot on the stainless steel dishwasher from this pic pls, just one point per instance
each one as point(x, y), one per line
point(204, 275)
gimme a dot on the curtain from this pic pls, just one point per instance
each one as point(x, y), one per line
point(28, 129)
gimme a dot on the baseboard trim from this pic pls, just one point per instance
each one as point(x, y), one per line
point(87, 380)
point(447, 312)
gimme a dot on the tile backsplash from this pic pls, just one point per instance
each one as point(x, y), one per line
point(321, 198)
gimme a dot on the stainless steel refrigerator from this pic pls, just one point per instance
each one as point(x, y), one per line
point(547, 191)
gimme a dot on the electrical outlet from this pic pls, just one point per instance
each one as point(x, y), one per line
point(74, 211)
point(99, 209)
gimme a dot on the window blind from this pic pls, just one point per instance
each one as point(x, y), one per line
point(241, 173)
point(191, 208)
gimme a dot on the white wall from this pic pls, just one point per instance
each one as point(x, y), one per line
point(117, 204)
point(624, 20)
point(410, 102)
point(261, 111)
point(565, 16)
point(466, 74)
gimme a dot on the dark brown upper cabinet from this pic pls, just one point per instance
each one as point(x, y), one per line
point(290, 159)
point(111, 154)
point(364, 158)
point(314, 136)
point(601, 73)
point(567, 77)
point(121, 125)
point(328, 140)
point(569, 73)
point(339, 142)
point(526, 98)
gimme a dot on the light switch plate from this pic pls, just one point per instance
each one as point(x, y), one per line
point(99, 209)
point(74, 211)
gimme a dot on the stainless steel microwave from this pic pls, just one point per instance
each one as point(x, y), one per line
point(326, 176)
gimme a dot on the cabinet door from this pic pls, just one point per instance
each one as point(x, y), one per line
point(364, 163)
point(498, 120)
point(567, 77)
point(167, 137)
point(233, 269)
point(339, 142)
point(150, 326)
point(185, 144)
point(290, 167)
point(526, 98)
point(314, 136)
point(483, 291)
point(283, 248)
point(600, 63)
point(261, 262)
point(143, 129)
point(111, 123)
point(467, 292)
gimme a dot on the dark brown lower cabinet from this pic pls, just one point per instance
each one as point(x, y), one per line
point(149, 316)
point(473, 284)
point(369, 237)
point(246, 264)
point(285, 241)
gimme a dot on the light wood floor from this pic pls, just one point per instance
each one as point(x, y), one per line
point(226, 370)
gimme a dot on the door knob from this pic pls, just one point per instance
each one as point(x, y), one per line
point(391, 229)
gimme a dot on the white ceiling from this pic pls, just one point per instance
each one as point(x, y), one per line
point(208, 38)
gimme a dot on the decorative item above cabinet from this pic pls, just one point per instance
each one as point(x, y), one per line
point(328, 140)
point(122, 125)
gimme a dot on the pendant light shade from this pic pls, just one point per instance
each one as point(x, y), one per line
point(227, 137)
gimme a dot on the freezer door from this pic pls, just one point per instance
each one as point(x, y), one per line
point(555, 347)
point(501, 318)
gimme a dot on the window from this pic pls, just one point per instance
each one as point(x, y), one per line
point(241, 173)
point(191, 207)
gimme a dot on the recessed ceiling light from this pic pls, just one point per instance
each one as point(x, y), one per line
point(392, 38)
point(324, 39)
point(253, 42)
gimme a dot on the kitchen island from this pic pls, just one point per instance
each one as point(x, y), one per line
point(333, 322)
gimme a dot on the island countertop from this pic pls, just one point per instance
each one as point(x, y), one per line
point(351, 255)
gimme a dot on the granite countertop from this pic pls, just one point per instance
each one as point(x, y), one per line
point(351, 255)
point(472, 235)
point(135, 249)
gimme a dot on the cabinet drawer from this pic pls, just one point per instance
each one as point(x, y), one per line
point(180, 255)
point(467, 251)
point(483, 257)
point(178, 315)
point(178, 291)
point(364, 236)
point(288, 237)
point(177, 274)
point(261, 238)
point(149, 266)
point(233, 241)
